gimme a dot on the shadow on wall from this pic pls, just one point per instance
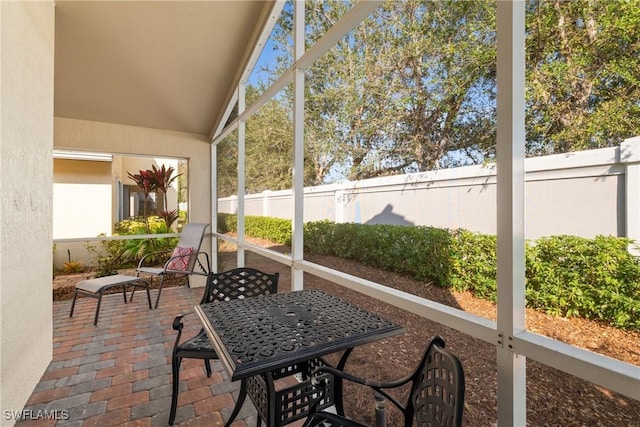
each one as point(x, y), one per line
point(388, 217)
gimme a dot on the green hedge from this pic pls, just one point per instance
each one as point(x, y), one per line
point(277, 230)
point(566, 275)
point(591, 278)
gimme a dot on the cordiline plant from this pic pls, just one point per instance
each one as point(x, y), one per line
point(162, 178)
point(146, 182)
point(157, 180)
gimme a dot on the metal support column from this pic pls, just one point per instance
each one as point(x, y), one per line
point(511, 209)
point(297, 224)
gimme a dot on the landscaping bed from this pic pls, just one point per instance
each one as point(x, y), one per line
point(554, 398)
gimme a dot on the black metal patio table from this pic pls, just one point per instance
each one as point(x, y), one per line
point(263, 339)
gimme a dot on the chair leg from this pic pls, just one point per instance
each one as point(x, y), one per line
point(133, 291)
point(159, 290)
point(73, 303)
point(207, 367)
point(95, 319)
point(175, 372)
point(148, 296)
point(146, 287)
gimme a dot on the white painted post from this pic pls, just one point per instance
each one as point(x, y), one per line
point(512, 404)
point(241, 175)
point(630, 157)
point(297, 224)
point(214, 207)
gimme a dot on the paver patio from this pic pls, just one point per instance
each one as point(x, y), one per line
point(118, 373)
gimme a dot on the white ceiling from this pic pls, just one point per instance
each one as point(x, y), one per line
point(160, 64)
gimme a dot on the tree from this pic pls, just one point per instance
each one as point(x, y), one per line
point(583, 74)
point(413, 87)
point(268, 146)
point(407, 86)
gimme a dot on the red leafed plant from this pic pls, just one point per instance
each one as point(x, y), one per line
point(158, 180)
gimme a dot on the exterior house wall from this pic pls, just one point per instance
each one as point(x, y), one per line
point(86, 201)
point(82, 206)
point(26, 141)
point(82, 198)
point(135, 164)
point(584, 194)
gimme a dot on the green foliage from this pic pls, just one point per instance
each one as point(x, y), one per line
point(111, 255)
point(582, 74)
point(107, 256)
point(135, 249)
point(399, 92)
point(72, 267)
point(227, 223)
point(413, 87)
point(566, 275)
point(277, 230)
point(590, 278)
point(419, 252)
point(136, 225)
point(472, 264)
point(158, 180)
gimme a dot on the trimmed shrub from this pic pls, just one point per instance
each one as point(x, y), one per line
point(472, 264)
point(566, 275)
point(591, 278)
point(277, 230)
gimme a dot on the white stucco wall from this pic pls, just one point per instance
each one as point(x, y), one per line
point(26, 140)
point(132, 140)
point(82, 198)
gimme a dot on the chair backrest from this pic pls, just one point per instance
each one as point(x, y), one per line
point(239, 283)
point(437, 394)
point(191, 237)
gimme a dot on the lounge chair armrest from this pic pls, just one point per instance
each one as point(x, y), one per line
point(206, 267)
point(141, 263)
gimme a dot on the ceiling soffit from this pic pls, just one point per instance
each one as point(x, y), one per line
point(165, 65)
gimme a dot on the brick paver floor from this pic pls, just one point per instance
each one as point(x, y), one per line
point(118, 373)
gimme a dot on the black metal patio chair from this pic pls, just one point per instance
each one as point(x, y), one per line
point(243, 282)
point(436, 397)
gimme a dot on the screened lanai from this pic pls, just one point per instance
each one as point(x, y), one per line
point(164, 78)
point(514, 344)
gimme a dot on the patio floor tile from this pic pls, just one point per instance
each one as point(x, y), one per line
point(118, 373)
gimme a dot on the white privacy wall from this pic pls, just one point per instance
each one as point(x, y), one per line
point(584, 194)
point(26, 141)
